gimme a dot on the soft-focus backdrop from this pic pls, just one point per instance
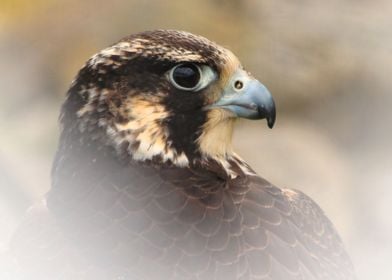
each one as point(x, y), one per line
point(328, 64)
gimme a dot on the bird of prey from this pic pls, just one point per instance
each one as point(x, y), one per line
point(146, 185)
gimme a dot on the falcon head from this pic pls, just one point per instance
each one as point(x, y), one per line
point(163, 96)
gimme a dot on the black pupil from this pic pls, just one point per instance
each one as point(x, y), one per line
point(186, 75)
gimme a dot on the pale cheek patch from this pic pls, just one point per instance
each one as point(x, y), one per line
point(147, 138)
point(215, 140)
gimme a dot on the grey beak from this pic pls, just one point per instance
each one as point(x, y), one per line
point(248, 98)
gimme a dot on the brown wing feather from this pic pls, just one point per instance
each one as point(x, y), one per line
point(301, 242)
point(172, 223)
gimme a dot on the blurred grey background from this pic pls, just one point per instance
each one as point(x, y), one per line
point(328, 64)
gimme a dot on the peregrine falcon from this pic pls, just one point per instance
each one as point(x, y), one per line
point(146, 184)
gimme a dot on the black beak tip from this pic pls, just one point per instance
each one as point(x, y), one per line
point(271, 122)
point(271, 117)
point(268, 113)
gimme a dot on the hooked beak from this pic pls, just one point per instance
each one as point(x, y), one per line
point(247, 98)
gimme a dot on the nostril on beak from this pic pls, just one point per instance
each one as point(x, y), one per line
point(238, 85)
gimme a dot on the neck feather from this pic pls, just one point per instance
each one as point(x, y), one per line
point(216, 139)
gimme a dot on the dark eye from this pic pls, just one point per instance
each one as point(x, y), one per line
point(185, 76)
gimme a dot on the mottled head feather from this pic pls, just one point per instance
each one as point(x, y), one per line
point(123, 99)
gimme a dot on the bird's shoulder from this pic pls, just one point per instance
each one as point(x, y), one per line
point(298, 234)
